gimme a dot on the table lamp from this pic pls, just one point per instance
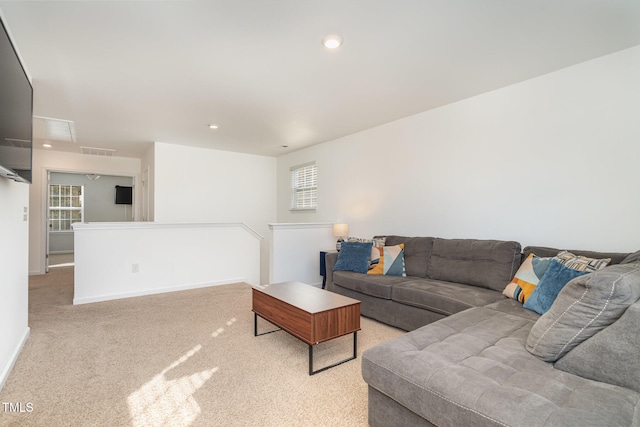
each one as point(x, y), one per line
point(340, 231)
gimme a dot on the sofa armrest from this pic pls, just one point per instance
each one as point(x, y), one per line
point(329, 261)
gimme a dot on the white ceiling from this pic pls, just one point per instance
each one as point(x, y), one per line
point(130, 73)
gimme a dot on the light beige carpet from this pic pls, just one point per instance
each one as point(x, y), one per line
point(61, 260)
point(178, 359)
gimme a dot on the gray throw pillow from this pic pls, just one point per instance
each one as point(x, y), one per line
point(585, 306)
point(611, 355)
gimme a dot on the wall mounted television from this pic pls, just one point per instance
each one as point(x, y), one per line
point(16, 113)
point(124, 195)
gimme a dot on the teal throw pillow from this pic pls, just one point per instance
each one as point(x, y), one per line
point(354, 256)
point(550, 285)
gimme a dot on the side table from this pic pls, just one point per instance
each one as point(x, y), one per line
point(323, 267)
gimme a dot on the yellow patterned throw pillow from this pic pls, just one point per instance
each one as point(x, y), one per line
point(390, 261)
point(527, 278)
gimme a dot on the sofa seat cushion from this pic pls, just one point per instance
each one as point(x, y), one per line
point(375, 285)
point(472, 368)
point(443, 297)
point(513, 307)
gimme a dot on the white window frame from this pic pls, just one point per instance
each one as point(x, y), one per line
point(304, 187)
point(62, 206)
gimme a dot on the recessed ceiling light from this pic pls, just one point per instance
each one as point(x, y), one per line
point(332, 41)
point(46, 145)
point(212, 126)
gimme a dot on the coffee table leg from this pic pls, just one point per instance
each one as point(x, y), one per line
point(355, 355)
point(255, 327)
point(355, 344)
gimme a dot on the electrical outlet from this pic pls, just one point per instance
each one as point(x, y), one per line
point(135, 268)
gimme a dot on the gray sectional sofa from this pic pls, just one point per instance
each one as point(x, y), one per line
point(476, 358)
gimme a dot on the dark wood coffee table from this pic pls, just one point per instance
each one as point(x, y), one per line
point(308, 313)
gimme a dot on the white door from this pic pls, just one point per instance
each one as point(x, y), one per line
point(145, 195)
point(47, 223)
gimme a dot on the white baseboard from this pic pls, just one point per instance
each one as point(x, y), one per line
point(183, 287)
point(14, 357)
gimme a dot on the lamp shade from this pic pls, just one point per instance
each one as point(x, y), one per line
point(340, 229)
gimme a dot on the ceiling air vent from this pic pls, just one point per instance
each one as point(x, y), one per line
point(46, 128)
point(16, 143)
point(94, 151)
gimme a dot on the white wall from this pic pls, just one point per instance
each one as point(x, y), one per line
point(14, 263)
point(295, 251)
point(127, 259)
point(550, 161)
point(203, 185)
point(44, 160)
point(14, 281)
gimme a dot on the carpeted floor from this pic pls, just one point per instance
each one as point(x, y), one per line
point(61, 260)
point(178, 359)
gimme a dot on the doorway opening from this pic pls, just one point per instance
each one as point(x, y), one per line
point(78, 197)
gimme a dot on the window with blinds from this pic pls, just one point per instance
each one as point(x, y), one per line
point(304, 186)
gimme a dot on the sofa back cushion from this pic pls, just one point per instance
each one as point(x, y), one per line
point(417, 251)
point(585, 306)
point(487, 263)
point(631, 258)
point(544, 251)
